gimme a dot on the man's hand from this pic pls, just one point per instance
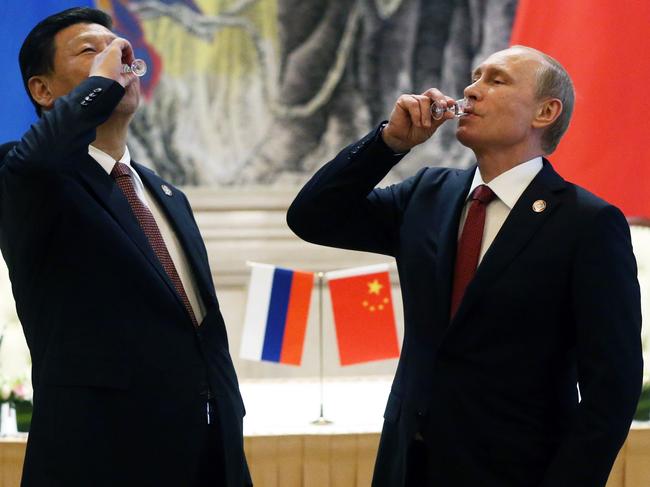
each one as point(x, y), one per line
point(411, 122)
point(109, 62)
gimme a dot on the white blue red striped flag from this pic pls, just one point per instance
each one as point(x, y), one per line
point(276, 314)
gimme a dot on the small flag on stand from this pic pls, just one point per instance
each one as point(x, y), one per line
point(276, 314)
point(363, 314)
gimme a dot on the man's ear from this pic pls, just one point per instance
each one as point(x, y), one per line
point(39, 88)
point(547, 113)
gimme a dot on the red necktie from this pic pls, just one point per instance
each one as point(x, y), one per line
point(469, 246)
point(122, 175)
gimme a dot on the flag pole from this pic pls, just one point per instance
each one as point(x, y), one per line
point(321, 419)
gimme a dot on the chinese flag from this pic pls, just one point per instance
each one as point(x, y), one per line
point(363, 314)
point(605, 47)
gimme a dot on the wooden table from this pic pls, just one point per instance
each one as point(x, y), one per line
point(284, 449)
point(340, 460)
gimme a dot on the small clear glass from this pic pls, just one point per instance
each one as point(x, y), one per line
point(137, 67)
point(458, 109)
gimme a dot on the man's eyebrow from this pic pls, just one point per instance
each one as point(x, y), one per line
point(92, 36)
point(492, 70)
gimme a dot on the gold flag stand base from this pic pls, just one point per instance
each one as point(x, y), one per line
point(321, 421)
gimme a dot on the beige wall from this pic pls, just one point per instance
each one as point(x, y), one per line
point(240, 226)
point(249, 225)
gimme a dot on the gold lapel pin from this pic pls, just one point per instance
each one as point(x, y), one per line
point(166, 189)
point(539, 206)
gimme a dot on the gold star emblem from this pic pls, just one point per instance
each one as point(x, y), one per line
point(374, 287)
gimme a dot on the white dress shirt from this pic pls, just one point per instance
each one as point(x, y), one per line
point(507, 187)
point(169, 236)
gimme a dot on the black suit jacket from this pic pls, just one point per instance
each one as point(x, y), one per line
point(120, 374)
point(490, 399)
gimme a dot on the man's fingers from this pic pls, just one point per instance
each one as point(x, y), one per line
point(128, 56)
point(439, 98)
point(425, 110)
point(418, 109)
point(414, 110)
point(436, 95)
point(125, 49)
point(109, 63)
point(411, 122)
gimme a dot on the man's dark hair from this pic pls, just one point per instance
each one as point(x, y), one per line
point(37, 52)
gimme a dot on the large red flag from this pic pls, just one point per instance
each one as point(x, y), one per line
point(363, 314)
point(605, 47)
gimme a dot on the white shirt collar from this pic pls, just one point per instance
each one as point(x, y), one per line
point(106, 161)
point(511, 184)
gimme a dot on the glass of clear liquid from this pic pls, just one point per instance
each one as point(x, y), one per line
point(137, 67)
point(458, 109)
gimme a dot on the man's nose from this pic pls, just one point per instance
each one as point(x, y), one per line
point(472, 91)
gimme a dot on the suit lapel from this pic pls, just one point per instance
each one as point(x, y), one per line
point(520, 226)
point(111, 197)
point(453, 195)
point(181, 221)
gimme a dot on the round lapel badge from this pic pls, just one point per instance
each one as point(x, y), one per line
point(166, 189)
point(539, 206)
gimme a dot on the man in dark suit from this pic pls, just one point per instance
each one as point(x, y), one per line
point(517, 287)
point(133, 381)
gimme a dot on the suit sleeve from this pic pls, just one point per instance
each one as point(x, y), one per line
point(65, 129)
point(340, 207)
point(607, 312)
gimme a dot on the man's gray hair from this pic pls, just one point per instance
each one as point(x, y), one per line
point(553, 81)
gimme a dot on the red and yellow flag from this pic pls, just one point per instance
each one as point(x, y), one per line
point(605, 46)
point(364, 318)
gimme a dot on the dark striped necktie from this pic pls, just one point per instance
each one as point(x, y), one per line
point(124, 179)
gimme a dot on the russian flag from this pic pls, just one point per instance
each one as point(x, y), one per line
point(276, 314)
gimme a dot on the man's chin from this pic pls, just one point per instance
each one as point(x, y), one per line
point(131, 99)
point(465, 138)
point(128, 105)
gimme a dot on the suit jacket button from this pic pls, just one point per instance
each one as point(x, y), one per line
point(84, 103)
point(97, 90)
